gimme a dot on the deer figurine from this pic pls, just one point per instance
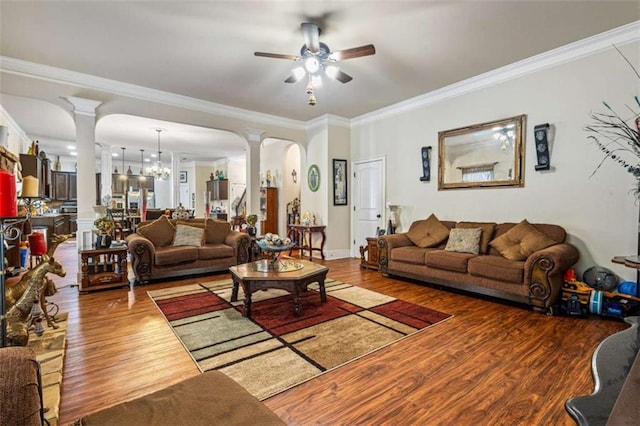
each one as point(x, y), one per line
point(17, 329)
point(14, 293)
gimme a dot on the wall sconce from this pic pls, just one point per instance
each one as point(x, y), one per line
point(294, 176)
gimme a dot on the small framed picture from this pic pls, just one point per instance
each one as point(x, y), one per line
point(339, 182)
point(183, 177)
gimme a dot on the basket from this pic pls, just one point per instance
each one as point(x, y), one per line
point(8, 160)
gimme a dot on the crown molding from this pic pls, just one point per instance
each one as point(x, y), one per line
point(13, 126)
point(58, 75)
point(328, 120)
point(619, 36)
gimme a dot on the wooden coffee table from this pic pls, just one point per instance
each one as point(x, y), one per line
point(295, 281)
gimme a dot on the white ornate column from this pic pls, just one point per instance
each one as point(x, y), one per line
point(84, 116)
point(175, 179)
point(254, 137)
point(106, 166)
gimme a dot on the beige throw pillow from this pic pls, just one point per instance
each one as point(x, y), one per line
point(464, 240)
point(188, 236)
point(521, 241)
point(428, 233)
point(487, 232)
point(160, 232)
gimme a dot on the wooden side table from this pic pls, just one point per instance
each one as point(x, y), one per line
point(104, 268)
point(297, 234)
point(369, 254)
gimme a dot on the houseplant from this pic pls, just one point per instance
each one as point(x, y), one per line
point(104, 227)
point(252, 219)
point(619, 137)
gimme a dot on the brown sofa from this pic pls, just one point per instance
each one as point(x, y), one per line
point(521, 262)
point(166, 248)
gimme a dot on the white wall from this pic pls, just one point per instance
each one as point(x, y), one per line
point(598, 213)
point(338, 234)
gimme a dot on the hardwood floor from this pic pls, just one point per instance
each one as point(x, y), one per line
point(491, 364)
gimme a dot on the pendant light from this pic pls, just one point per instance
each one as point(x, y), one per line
point(142, 176)
point(157, 171)
point(123, 176)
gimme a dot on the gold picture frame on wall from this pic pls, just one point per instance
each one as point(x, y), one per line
point(489, 154)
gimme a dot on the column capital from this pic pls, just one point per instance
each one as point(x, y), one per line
point(254, 135)
point(83, 106)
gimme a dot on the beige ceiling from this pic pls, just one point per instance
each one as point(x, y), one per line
point(204, 50)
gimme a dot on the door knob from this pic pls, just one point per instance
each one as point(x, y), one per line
point(378, 216)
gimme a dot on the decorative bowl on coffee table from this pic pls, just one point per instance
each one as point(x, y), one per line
point(273, 262)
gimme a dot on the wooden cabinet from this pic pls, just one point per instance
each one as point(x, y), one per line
point(145, 182)
point(219, 189)
point(369, 254)
point(33, 165)
point(63, 186)
point(72, 223)
point(120, 186)
point(269, 210)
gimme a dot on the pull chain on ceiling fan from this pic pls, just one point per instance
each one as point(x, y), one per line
point(317, 59)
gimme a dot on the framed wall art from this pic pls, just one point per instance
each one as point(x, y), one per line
point(313, 178)
point(183, 177)
point(339, 182)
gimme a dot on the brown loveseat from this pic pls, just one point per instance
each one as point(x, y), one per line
point(166, 248)
point(521, 262)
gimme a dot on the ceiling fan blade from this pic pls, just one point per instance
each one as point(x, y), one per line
point(311, 34)
point(292, 79)
point(343, 77)
point(354, 52)
point(276, 56)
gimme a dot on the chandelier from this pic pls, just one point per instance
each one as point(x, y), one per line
point(157, 171)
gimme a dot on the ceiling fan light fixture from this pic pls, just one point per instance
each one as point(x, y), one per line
point(331, 71)
point(316, 81)
point(311, 64)
point(298, 73)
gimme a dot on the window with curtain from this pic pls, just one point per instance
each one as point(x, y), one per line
point(478, 172)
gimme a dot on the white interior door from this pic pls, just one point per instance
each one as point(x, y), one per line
point(368, 206)
point(184, 195)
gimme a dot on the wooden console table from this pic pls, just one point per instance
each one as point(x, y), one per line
point(103, 268)
point(297, 234)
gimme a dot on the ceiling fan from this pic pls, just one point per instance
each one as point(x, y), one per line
point(317, 59)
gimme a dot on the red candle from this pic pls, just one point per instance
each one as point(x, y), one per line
point(37, 244)
point(8, 200)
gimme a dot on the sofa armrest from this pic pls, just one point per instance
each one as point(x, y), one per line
point(240, 243)
point(386, 243)
point(143, 254)
point(544, 273)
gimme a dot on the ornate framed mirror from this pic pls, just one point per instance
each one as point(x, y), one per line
point(482, 155)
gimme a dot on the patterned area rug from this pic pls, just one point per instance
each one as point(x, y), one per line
point(49, 349)
point(276, 350)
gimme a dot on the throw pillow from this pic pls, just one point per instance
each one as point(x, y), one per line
point(188, 236)
point(521, 241)
point(464, 240)
point(428, 233)
point(487, 232)
point(216, 231)
point(160, 232)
